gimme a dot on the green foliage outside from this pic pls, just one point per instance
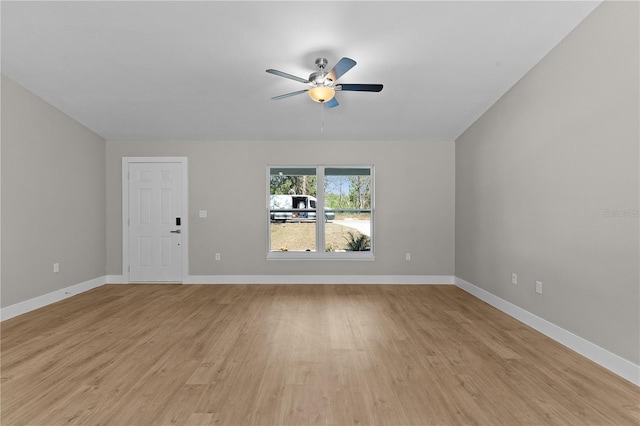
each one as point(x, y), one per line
point(348, 192)
point(357, 241)
point(293, 185)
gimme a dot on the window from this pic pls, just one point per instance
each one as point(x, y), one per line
point(291, 211)
point(341, 196)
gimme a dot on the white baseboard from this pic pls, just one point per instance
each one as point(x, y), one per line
point(116, 279)
point(319, 279)
point(618, 365)
point(49, 298)
point(305, 279)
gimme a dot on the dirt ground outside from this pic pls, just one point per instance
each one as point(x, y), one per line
point(302, 236)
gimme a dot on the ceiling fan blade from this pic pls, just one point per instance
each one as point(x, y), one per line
point(343, 65)
point(332, 103)
point(286, 95)
point(285, 75)
point(360, 87)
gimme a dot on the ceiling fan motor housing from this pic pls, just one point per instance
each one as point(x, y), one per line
point(318, 78)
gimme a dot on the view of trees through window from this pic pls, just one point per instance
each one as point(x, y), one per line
point(348, 191)
point(294, 205)
point(294, 184)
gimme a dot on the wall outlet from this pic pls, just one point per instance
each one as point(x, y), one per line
point(202, 214)
point(217, 256)
point(407, 256)
point(514, 279)
point(56, 267)
point(539, 287)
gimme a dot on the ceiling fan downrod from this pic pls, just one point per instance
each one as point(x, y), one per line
point(321, 63)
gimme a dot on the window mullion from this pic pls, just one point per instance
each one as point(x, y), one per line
point(320, 217)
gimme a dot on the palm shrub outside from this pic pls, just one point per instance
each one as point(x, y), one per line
point(357, 241)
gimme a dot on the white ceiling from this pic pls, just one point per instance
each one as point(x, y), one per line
point(187, 70)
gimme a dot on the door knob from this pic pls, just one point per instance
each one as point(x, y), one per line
point(177, 231)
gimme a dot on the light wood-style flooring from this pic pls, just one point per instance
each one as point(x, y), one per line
point(298, 355)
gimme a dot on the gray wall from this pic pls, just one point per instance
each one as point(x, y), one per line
point(53, 198)
point(537, 178)
point(414, 184)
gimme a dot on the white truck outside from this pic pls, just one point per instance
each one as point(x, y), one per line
point(295, 208)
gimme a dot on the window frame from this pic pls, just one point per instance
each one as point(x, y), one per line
point(320, 213)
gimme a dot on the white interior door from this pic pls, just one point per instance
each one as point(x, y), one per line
point(155, 222)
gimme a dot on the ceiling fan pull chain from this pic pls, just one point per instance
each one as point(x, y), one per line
point(321, 118)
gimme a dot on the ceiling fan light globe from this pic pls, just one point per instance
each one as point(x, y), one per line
point(322, 93)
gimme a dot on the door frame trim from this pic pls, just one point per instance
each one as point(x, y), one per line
point(126, 260)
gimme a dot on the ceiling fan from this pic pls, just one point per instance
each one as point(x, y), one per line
point(323, 83)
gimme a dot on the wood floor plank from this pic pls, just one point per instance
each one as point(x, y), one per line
point(295, 354)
